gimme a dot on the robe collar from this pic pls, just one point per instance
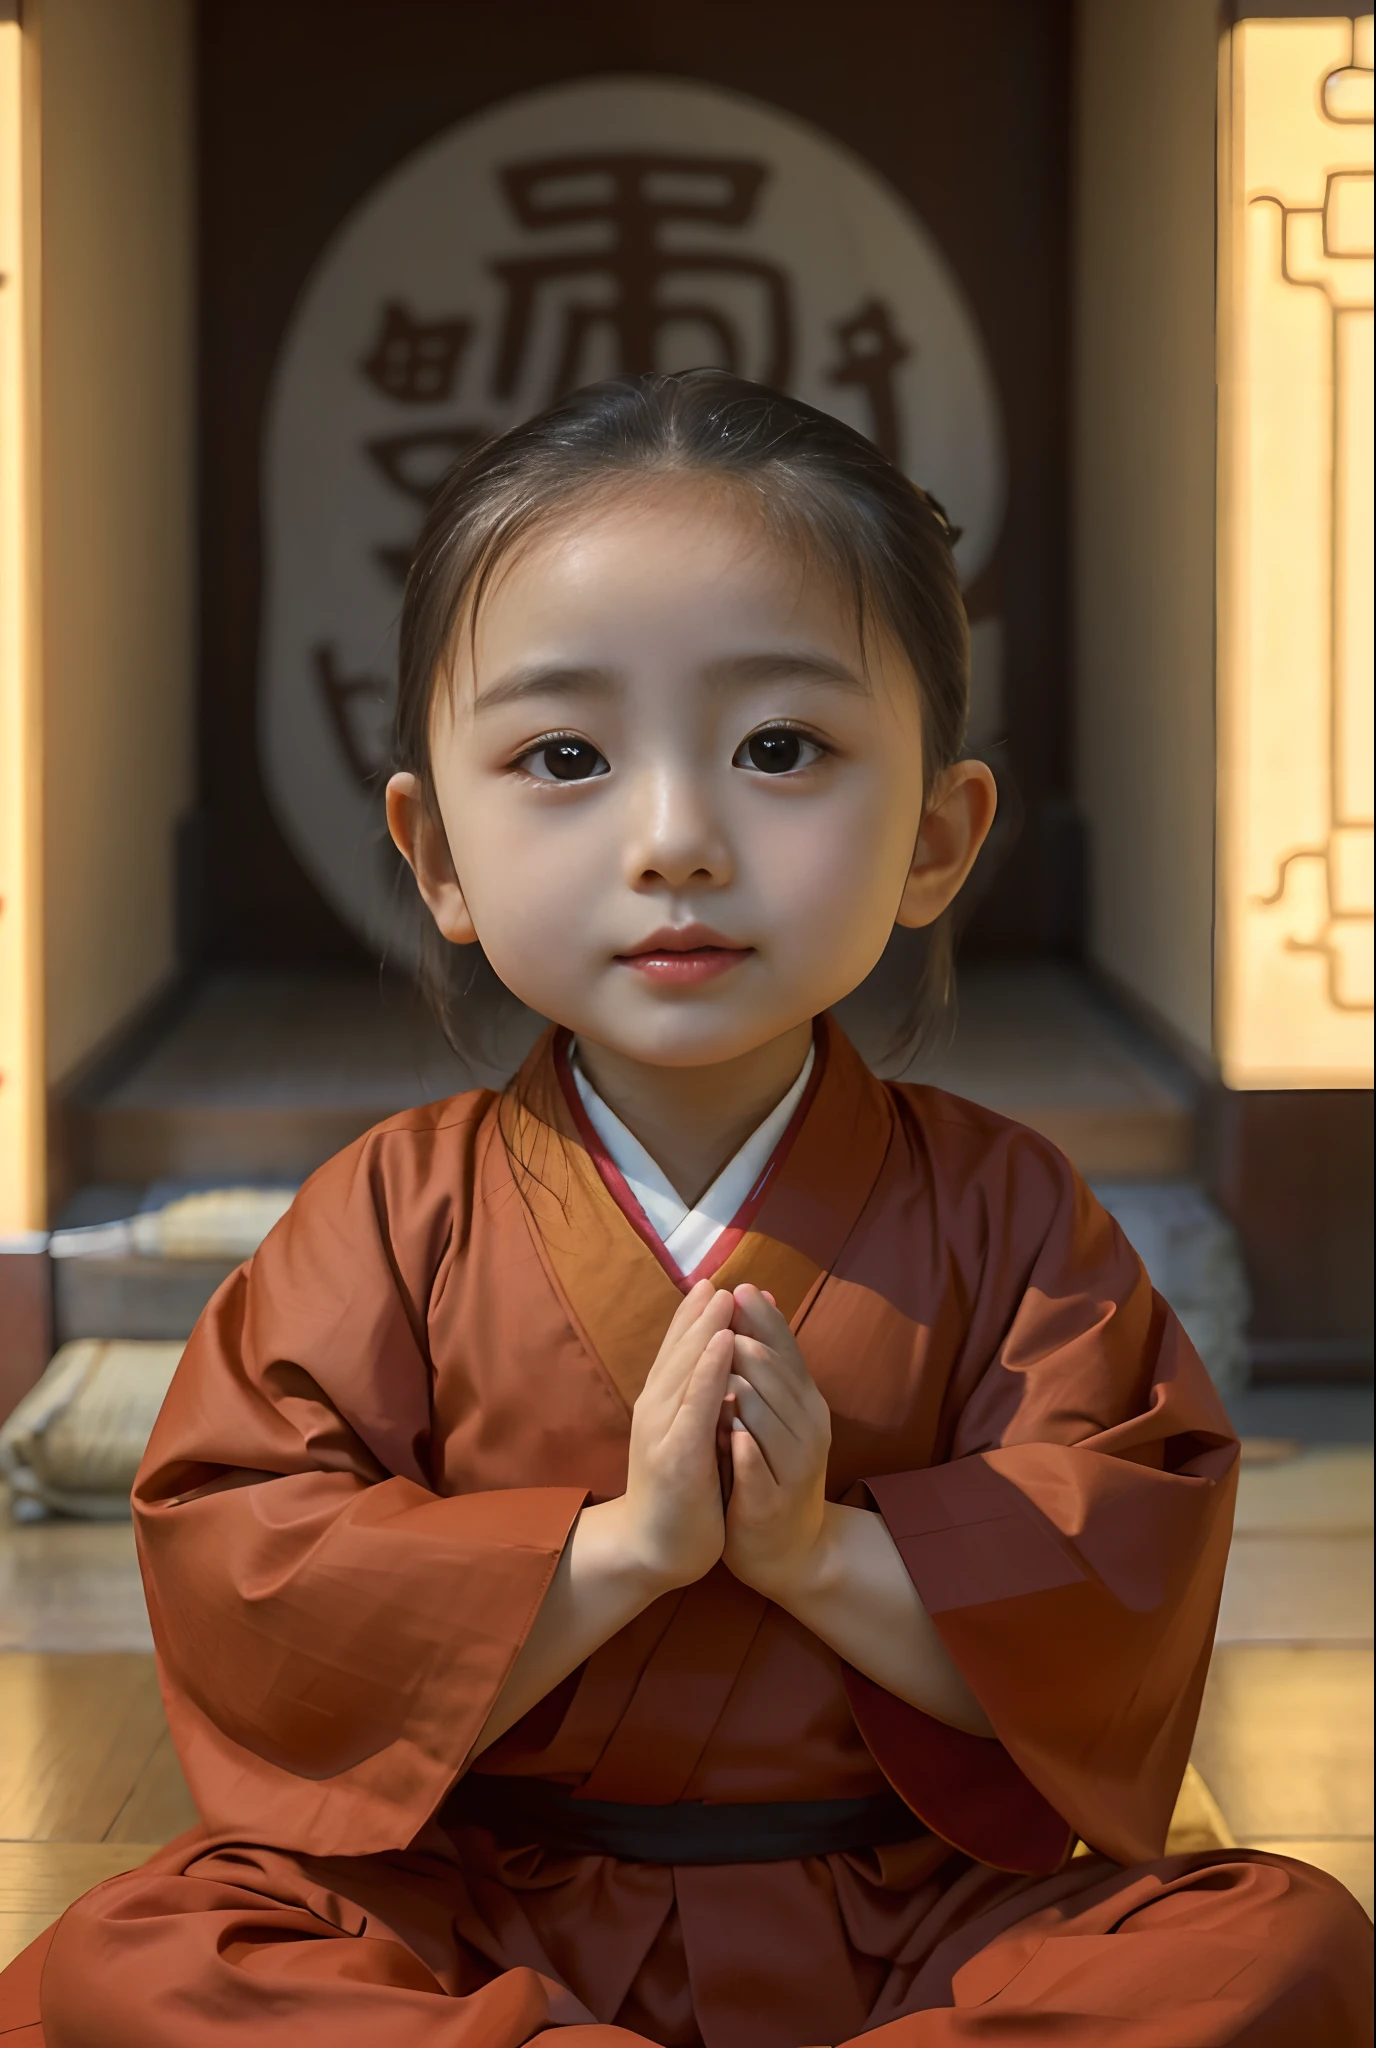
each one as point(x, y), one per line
point(613, 1277)
point(614, 1180)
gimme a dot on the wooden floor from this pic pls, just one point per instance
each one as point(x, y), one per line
point(89, 1784)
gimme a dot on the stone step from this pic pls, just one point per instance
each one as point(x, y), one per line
point(1043, 1045)
point(268, 1073)
point(132, 1297)
point(263, 1075)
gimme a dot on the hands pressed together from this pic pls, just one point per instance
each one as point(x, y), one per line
point(728, 1462)
point(729, 1444)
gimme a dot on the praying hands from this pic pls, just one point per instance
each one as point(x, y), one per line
point(727, 1462)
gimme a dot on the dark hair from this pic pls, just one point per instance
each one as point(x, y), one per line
point(815, 481)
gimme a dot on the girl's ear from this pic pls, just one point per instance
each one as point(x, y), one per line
point(420, 841)
point(955, 824)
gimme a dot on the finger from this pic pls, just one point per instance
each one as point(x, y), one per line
point(750, 1473)
point(786, 1390)
point(684, 1318)
point(714, 1320)
point(705, 1390)
point(757, 1319)
point(691, 1307)
point(700, 1429)
point(782, 1451)
point(757, 1314)
point(728, 1414)
point(684, 1340)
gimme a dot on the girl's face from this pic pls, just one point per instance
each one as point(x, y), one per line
point(682, 810)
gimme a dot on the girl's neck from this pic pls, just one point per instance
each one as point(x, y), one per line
point(692, 1120)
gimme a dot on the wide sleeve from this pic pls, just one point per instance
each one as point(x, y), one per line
point(331, 1632)
point(1071, 1547)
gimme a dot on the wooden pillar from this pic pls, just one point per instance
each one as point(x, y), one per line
point(25, 1317)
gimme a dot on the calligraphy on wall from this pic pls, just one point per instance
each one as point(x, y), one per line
point(569, 234)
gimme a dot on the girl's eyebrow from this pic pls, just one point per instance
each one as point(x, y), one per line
point(784, 664)
point(544, 679)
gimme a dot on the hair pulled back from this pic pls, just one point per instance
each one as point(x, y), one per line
point(817, 484)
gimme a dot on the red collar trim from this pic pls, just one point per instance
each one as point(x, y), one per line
point(614, 1180)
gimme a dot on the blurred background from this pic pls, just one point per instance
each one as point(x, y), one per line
point(1096, 272)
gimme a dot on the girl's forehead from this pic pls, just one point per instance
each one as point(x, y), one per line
point(685, 555)
point(690, 525)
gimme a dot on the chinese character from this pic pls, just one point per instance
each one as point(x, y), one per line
point(344, 698)
point(416, 361)
point(635, 195)
point(871, 351)
point(416, 464)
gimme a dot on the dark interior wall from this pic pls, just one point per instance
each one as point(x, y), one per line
point(304, 104)
point(1292, 1168)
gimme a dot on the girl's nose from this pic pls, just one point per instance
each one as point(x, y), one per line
point(675, 835)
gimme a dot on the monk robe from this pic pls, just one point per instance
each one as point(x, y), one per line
point(377, 1443)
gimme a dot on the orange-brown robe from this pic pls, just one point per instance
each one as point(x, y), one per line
point(358, 1490)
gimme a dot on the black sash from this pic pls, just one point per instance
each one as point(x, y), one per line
point(531, 1810)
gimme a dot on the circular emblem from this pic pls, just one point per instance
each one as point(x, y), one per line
point(569, 234)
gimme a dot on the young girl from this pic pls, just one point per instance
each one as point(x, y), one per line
point(682, 1549)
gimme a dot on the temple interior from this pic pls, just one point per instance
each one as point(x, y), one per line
point(245, 325)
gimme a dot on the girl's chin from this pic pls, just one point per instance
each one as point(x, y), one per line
point(683, 1035)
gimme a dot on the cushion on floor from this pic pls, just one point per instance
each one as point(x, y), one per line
point(74, 1443)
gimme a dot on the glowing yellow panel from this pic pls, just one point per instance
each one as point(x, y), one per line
point(1294, 937)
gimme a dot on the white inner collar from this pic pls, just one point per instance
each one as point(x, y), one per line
point(687, 1234)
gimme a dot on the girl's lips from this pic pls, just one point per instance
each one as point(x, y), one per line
point(673, 969)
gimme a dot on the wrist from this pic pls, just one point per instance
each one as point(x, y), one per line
point(808, 1575)
point(612, 1543)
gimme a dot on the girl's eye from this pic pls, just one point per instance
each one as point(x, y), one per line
point(776, 750)
point(564, 760)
